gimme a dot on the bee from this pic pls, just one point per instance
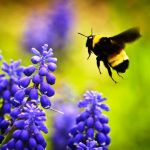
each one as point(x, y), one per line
point(110, 50)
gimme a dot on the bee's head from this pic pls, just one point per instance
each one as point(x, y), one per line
point(89, 39)
point(89, 42)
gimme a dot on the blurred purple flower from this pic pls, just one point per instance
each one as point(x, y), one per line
point(52, 28)
point(35, 33)
point(61, 23)
point(1, 57)
point(62, 124)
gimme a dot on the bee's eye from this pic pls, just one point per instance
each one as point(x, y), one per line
point(90, 37)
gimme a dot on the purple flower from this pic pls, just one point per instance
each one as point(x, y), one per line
point(1, 57)
point(8, 87)
point(90, 145)
point(28, 127)
point(91, 130)
point(53, 27)
point(26, 117)
point(14, 70)
point(36, 85)
point(62, 124)
point(61, 24)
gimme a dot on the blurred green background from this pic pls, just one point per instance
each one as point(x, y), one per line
point(129, 98)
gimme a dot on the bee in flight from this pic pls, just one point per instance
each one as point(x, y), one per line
point(110, 50)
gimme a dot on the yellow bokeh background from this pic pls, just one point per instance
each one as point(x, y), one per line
point(129, 98)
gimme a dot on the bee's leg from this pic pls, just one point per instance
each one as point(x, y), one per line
point(98, 59)
point(109, 70)
point(119, 75)
point(89, 52)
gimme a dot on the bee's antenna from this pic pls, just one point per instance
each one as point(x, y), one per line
point(83, 34)
point(91, 31)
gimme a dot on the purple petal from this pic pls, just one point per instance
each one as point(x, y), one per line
point(24, 135)
point(6, 95)
point(74, 130)
point(81, 126)
point(16, 134)
point(19, 145)
point(14, 113)
point(105, 107)
point(14, 88)
point(52, 66)
point(98, 126)
point(32, 143)
point(6, 108)
point(52, 59)
point(37, 79)
point(16, 64)
point(19, 124)
point(39, 147)
point(43, 127)
point(45, 47)
point(50, 78)
point(43, 87)
point(33, 95)
point(90, 122)
point(35, 59)
point(106, 129)
point(90, 133)
point(84, 115)
point(28, 71)
point(24, 82)
point(103, 119)
point(50, 91)
point(40, 139)
point(35, 51)
point(82, 103)
point(101, 138)
point(19, 95)
point(45, 102)
point(5, 67)
point(11, 144)
point(78, 138)
point(108, 140)
point(43, 71)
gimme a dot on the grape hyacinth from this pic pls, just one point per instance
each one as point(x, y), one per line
point(91, 129)
point(64, 101)
point(61, 23)
point(8, 86)
point(52, 27)
point(62, 124)
point(35, 89)
point(36, 84)
point(29, 123)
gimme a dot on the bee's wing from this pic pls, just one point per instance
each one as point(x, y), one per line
point(127, 36)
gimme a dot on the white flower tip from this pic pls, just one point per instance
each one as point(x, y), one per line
point(57, 111)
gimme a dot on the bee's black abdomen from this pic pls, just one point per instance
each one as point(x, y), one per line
point(122, 66)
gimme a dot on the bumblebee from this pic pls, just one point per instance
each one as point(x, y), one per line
point(110, 50)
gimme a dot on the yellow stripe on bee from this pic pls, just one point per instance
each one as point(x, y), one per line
point(96, 39)
point(116, 59)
